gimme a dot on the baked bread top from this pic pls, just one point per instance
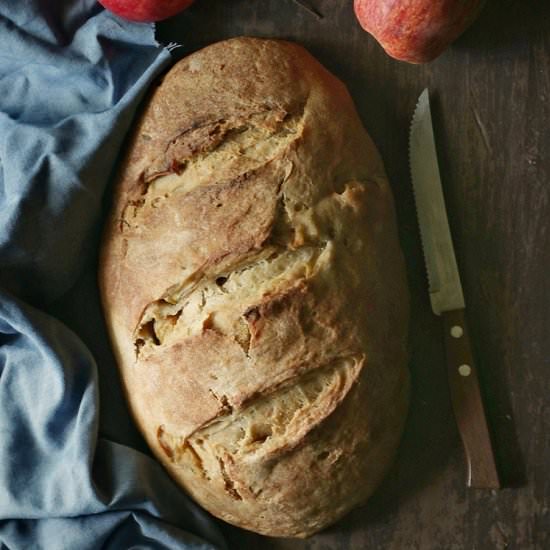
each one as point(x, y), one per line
point(255, 291)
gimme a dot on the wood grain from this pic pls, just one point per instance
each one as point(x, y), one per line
point(491, 110)
point(467, 401)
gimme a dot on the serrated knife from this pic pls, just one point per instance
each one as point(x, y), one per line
point(447, 299)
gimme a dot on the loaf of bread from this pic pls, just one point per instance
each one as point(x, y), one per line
point(255, 291)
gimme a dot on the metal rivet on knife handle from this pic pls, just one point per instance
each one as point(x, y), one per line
point(464, 370)
point(457, 332)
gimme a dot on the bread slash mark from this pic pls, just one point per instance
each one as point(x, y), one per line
point(269, 425)
point(203, 303)
point(214, 152)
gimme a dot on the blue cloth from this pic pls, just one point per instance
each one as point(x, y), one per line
point(74, 473)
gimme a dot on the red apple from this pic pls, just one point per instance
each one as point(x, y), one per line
point(416, 31)
point(145, 10)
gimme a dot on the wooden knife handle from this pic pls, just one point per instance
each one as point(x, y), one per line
point(468, 404)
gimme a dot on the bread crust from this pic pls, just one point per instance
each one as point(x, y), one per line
point(254, 289)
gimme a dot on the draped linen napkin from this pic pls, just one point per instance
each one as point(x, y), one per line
point(74, 473)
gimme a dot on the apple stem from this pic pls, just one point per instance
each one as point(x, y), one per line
point(308, 8)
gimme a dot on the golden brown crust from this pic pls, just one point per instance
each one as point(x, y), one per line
point(255, 291)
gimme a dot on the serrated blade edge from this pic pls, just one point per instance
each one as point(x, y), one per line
point(443, 276)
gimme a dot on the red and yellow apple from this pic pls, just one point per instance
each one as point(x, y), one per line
point(416, 31)
point(145, 10)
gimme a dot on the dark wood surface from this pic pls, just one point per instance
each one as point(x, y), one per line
point(490, 99)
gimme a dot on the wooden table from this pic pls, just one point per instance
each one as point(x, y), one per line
point(491, 107)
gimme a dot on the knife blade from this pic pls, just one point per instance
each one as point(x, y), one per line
point(447, 299)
